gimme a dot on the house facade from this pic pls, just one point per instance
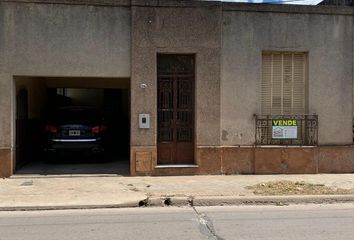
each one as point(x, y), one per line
point(214, 88)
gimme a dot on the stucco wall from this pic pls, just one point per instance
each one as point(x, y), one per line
point(121, 39)
point(328, 41)
point(167, 29)
point(6, 100)
point(64, 40)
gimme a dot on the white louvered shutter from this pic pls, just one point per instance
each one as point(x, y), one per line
point(266, 94)
point(300, 84)
point(277, 85)
point(284, 83)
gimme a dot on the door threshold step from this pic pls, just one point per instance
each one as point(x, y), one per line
point(176, 166)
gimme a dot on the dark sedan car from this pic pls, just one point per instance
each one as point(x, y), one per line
point(75, 129)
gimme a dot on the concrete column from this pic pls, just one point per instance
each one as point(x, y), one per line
point(6, 136)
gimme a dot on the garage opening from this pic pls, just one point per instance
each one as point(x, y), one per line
point(68, 126)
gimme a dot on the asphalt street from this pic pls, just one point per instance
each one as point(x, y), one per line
point(331, 221)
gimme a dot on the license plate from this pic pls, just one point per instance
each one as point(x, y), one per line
point(74, 132)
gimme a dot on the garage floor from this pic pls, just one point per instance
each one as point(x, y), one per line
point(76, 167)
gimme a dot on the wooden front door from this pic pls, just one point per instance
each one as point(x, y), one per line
point(175, 111)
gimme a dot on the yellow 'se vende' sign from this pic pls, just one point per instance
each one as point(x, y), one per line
point(284, 122)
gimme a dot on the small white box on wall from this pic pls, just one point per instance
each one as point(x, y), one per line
point(144, 120)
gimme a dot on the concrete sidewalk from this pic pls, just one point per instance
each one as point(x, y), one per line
point(68, 192)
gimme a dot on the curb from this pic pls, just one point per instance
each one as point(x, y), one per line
point(70, 207)
point(250, 200)
point(201, 201)
point(272, 200)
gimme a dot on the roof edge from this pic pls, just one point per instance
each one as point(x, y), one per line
point(126, 3)
point(283, 8)
point(225, 6)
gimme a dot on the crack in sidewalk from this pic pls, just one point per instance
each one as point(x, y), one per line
point(206, 226)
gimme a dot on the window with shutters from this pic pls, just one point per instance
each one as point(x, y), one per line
point(284, 100)
point(284, 83)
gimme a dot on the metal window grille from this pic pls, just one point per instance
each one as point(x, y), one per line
point(307, 130)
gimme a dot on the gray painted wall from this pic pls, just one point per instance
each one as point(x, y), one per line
point(95, 41)
point(328, 41)
point(64, 40)
point(6, 114)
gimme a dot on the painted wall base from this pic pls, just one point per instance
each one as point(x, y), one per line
point(5, 163)
point(236, 160)
point(251, 160)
